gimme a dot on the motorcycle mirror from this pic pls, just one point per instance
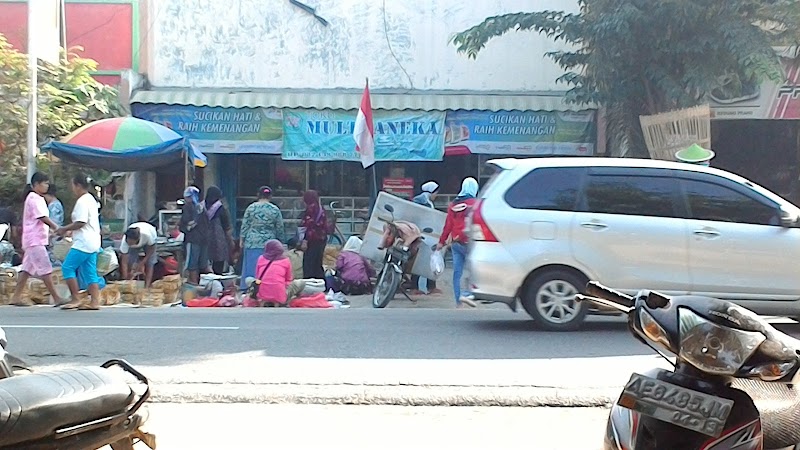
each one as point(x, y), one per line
point(427, 230)
point(389, 208)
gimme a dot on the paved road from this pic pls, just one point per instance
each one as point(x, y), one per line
point(341, 355)
point(167, 336)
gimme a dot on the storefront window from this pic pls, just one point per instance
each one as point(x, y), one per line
point(289, 179)
point(337, 178)
point(354, 180)
point(254, 172)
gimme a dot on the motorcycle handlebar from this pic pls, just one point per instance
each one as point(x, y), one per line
point(596, 289)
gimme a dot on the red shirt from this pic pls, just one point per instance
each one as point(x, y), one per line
point(456, 223)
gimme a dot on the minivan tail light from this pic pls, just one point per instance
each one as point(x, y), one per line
point(479, 230)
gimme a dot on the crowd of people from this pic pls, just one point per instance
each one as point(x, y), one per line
point(281, 272)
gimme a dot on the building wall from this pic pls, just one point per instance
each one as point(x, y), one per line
point(273, 44)
point(103, 30)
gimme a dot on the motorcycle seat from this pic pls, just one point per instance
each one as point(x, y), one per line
point(35, 406)
point(779, 406)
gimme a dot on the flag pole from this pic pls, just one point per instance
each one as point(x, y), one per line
point(33, 100)
point(374, 175)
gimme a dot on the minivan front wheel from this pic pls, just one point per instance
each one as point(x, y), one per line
point(550, 300)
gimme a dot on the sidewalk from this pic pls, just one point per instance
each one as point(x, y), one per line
point(444, 300)
point(346, 427)
point(253, 377)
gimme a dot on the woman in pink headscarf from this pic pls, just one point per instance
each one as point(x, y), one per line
point(313, 233)
point(275, 279)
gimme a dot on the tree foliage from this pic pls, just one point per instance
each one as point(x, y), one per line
point(642, 57)
point(68, 98)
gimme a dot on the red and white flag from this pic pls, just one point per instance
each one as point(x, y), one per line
point(364, 131)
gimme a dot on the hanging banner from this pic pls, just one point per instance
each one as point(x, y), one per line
point(220, 130)
point(768, 100)
point(523, 133)
point(327, 135)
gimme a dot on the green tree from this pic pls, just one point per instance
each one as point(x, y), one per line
point(643, 57)
point(68, 98)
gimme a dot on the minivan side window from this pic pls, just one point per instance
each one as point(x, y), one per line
point(631, 195)
point(547, 188)
point(709, 201)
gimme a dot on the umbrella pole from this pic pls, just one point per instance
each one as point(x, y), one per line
point(186, 168)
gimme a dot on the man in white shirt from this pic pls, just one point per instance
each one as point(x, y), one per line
point(86, 242)
point(140, 236)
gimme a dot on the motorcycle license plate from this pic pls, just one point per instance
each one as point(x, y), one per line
point(677, 405)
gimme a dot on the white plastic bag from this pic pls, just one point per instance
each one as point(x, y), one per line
point(107, 261)
point(437, 263)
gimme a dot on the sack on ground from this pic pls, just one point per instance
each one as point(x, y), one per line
point(313, 286)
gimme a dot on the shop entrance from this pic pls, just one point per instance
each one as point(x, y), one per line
point(764, 151)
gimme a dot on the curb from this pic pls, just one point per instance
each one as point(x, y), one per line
point(468, 396)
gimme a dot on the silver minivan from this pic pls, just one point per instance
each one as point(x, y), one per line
point(543, 227)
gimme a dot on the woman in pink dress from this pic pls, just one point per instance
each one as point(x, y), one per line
point(277, 286)
point(35, 238)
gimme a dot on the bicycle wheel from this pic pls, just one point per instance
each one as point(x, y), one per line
point(335, 239)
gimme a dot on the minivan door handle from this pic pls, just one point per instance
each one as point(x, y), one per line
point(594, 225)
point(707, 233)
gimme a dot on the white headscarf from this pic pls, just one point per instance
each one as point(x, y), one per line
point(430, 187)
point(353, 245)
point(469, 187)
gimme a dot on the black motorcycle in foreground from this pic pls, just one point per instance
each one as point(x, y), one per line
point(733, 385)
point(84, 408)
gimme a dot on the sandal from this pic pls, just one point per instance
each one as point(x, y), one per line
point(70, 306)
point(87, 307)
point(22, 303)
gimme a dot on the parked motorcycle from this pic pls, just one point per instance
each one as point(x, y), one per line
point(733, 385)
point(401, 240)
point(84, 408)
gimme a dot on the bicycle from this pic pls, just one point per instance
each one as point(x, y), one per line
point(337, 237)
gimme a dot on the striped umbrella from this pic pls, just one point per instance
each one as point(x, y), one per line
point(125, 133)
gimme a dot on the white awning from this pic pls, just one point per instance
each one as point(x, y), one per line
point(350, 99)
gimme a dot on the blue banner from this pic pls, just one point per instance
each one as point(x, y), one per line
point(524, 133)
point(220, 130)
point(327, 135)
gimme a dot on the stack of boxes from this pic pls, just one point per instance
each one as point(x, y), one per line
point(170, 286)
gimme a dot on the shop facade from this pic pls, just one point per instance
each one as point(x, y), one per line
point(275, 138)
point(757, 134)
point(269, 92)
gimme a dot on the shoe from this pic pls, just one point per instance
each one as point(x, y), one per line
point(468, 301)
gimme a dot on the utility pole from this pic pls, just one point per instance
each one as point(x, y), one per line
point(33, 98)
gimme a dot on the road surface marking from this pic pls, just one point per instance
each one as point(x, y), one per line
point(120, 327)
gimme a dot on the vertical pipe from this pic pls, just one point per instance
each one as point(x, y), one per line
point(33, 100)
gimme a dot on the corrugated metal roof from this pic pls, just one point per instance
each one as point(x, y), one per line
point(350, 99)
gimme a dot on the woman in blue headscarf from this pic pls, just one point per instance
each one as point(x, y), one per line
point(455, 231)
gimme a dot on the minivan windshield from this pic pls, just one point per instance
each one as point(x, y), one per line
point(497, 171)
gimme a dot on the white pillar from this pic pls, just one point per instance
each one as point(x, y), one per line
point(31, 151)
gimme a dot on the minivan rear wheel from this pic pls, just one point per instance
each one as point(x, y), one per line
point(549, 298)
